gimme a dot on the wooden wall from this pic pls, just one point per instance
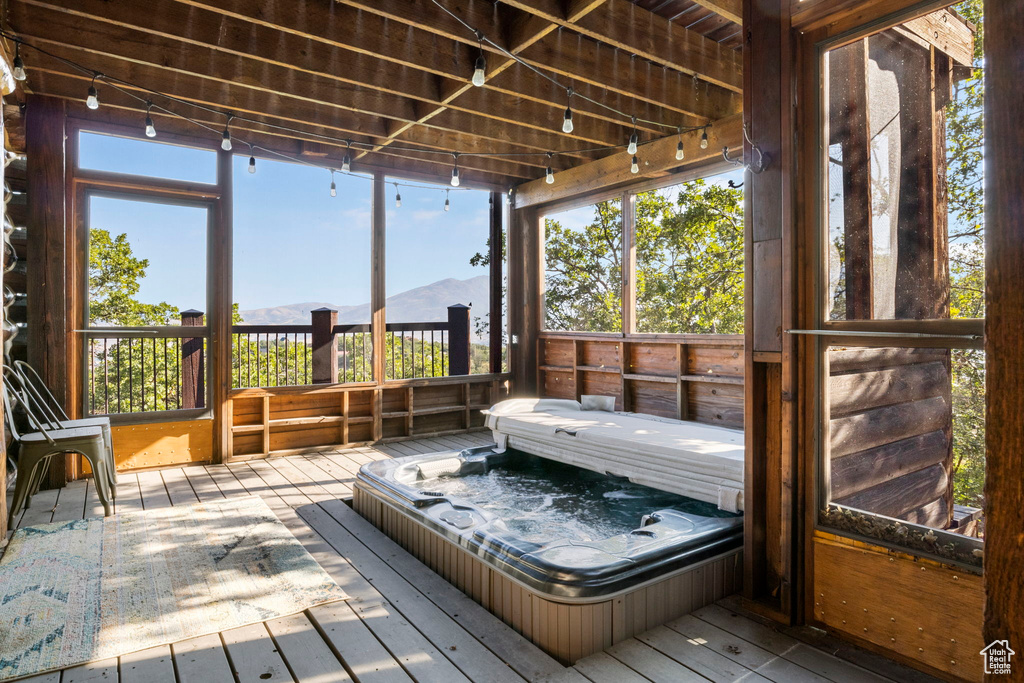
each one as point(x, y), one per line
point(687, 377)
point(890, 417)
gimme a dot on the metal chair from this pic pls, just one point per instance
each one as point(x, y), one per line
point(37, 447)
point(52, 414)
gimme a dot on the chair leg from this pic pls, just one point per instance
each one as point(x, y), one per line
point(99, 476)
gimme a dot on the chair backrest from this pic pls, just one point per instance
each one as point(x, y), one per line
point(16, 394)
point(48, 403)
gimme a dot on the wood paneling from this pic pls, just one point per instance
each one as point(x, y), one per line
point(923, 611)
point(1004, 333)
point(159, 444)
point(566, 631)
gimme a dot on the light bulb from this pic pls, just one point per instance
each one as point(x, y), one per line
point(455, 177)
point(567, 123)
point(334, 189)
point(631, 148)
point(93, 100)
point(634, 167)
point(447, 204)
point(225, 140)
point(480, 71)
point(679, 151)
point(508, 197)
point(398, 200)
point(346, 163)
point(19, 67)
point(704, 140)
point(252, 164)
point(549, 176)
point(150, 128)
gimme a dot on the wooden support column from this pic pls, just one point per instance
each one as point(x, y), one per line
point(496, 261)
point(48, 257)
point(193, 364)
point(1004, 324)
point(221, 311)
point(458, 339)
point(628, 262)
point(378, 294)
point(325, 346)
point(768, 252)
point(525, 304)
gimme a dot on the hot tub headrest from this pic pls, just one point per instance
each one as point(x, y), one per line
point(517, 406)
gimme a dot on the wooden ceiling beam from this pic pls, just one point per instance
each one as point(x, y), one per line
point(727, 9)
point(656, 159)
point(56, 83)
point(90, 36)
point(626, 26)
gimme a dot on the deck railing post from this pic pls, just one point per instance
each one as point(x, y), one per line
point(458, 339)
point(325, 347)
point(193, 364)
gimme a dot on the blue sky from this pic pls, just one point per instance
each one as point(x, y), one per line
point(293, 242)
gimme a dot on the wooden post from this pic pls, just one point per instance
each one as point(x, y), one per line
point(458, 339)
point(47, 256)
point(193, 364)
point(325, 346)
point(378, 292)
point(220, 320)
point(1004, 324)
point(497, 299)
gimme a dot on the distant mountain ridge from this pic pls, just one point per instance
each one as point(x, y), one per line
point(423, 304)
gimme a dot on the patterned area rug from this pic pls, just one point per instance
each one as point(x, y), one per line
point(75, 592)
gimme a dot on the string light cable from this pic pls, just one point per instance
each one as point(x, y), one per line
point(148, 105)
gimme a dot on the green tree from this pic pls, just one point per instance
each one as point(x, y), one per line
point(114, 276)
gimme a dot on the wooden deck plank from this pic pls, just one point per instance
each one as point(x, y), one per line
point(353, 643)
point(129, 495)
point(509, 646)
point(103, 671)
point(692, 653)
point(467, 648)
point(300, 480)
point(205, 487)
point(202, 660)
point(411, 648)
point(154, 665)
point(92, 501)
point(178, 488)
point(225, 480)
point(71, 502)
point(307, 655)
point(41, 509)
point(154, 493)
point(650, 663)
point(52, 677)
point(343, 478)
point(254, 656)
point(328, 483)
point(288, 492)
point(603, 668)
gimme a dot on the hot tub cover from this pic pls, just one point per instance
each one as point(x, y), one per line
point(691, 459)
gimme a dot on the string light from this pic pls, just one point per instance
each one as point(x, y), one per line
point(346, 163)
point(334, 188)
point(252, 160)
point(508, 197)
point(633, 140)
point(150, 128)
point(549, 175)
point(447, 204)
point(225, 137)
point(634, 166)
point(19, 66)
point(679, 147)
point(567, 122)
point(455, 170)
point(398, 197)
point(93, 99)
point(704, 139)
point(480, 68)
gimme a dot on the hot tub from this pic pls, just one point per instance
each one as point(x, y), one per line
point(574, 559)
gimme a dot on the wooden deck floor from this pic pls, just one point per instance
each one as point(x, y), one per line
point(405, 623)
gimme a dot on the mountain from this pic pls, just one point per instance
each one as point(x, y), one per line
point(422, 304)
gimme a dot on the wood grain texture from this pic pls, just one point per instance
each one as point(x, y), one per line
point(1004, 339)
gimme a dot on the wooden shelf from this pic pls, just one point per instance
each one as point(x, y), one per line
point(394, 414)
point(713, 379)
point(557, 368)
point(437, 410)
point(313, 420)
point(246, 429)
point(651, 378)
point(599, 368)
point(361, 419)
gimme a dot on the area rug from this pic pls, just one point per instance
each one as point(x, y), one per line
point(75, 592)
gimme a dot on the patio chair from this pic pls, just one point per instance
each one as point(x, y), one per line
point(52, 414)
point(37, 447)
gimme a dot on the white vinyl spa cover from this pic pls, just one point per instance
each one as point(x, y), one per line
point(688, 458)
